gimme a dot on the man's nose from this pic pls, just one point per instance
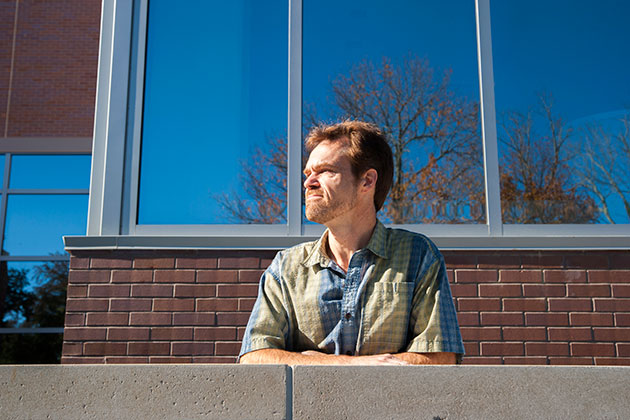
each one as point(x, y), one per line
point(310, 181)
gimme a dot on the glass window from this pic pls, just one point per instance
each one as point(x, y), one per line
point(50, 171)
point(562, 99)
point(215, 112)
point(410, 67)
point(35, 224)
point(2, 158)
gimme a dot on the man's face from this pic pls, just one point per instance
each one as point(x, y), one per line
point(330, 187)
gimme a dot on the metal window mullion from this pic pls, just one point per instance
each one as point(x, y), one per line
point(294, 155)
point(5, 197)
point(488, 119)
point(35, 258)
point(41, 191)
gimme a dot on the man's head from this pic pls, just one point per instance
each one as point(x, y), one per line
point(366, 148)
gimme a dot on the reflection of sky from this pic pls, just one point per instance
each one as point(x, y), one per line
point(52, 171)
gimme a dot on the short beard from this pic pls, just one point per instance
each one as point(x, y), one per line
point(324, 212)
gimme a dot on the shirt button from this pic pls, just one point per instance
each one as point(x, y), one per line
point(348, 315)
point(349, 353)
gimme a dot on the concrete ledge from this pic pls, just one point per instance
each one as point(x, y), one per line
point(144, 392)
point(461, 392)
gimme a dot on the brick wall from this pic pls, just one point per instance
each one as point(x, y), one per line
point(191, 306)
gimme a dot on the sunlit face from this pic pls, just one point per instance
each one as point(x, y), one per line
point(330, 187)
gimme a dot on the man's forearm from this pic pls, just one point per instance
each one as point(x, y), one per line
point(283, 357)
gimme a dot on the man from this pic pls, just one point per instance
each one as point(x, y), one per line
point(362, 293)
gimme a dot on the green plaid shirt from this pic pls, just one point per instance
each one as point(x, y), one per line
point(394, 297)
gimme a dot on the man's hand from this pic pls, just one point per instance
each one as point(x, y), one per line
point(377, 359)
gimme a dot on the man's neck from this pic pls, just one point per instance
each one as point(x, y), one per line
point(344, 239)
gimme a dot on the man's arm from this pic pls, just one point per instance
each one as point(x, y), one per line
point(283, 357)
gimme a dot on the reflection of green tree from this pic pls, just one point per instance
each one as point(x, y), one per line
point(42, 306)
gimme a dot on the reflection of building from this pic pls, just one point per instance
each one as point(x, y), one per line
point(163, 291)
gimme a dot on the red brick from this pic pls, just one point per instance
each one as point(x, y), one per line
point(217, 276)
point(519, 304)
point(522, 276)
point(570, 361)
point(516, 360)
point(498, 260)
point(216, 333)
point(609, 276)
point(475, 276)
point(75, 291)
point(611, 334)
point(451, 276)
point(468, 318)
point(544, 290)
point(77, 263)
point(569, 334)
point(170, 359)
point(129, 305)
point(84, 334)
point(501, 318)
point(132, 276)
point(547, 349)
point(612, 305)
point(151, 290)
point(249, 276)
point(569, 304)
point(550, 319)
point(122, 360)
point(109, 290)
point(214, 359)
point(242, 262)
point(524, 334)
point(105, 349)
point(620, 259)
point(72, 349)
point(471, 349)
point(564, 276)
point(237, 290)
point(623, 350)
point(85, 305)
point(150, 318)
point(227, 348)
point(246, 304)
point(196, 262)
point(195, 290)
point(89, 276)
point(127, 334)
point(240, 333)
point(479, 304)
point(591, 319)
point(107, 318)
point(172, 333)
point(74, 320)
point(592, 349)
point(622, 320)
point(110, 263)
point(149, 348)
point(265, 262)
point(481, 333)
point(454, 260)
point(621, 290)
point(192, 349)
point(221, 304)
point(541, 261)
point(173, 305)
point(500, 290)
point(592, 290)
point(464, 290)
point(232, 318)
point(82, 360)
point(612, 361)
point(194, 318)
point(174, 276)
point(154, 263)
point(502, 349)
point(586, 260)
point(482, 360)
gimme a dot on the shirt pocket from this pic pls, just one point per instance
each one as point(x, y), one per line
point(386, 317)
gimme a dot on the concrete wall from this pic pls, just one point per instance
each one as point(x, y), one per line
point(514, 307)
point(314, 392)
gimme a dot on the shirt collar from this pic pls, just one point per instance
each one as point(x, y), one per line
point(377, 244)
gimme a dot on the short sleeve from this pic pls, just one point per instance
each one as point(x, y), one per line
point(268, 324)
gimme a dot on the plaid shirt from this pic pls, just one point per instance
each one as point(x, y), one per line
point(394, 297)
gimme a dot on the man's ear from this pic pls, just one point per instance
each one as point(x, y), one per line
point(369, 178)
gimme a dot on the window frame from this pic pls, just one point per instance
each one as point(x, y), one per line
point(116, 159)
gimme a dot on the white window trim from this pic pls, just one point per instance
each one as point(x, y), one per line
point(116, 156)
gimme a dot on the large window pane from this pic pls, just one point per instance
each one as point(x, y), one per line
point(215, 113)
point(50, 171)
point(563, 97)
point(410, 67)
point(36, 223)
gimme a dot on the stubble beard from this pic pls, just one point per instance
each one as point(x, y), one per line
point(323, 211)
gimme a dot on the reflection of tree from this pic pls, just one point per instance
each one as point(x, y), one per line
point(603, 168)
point(536, 180)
